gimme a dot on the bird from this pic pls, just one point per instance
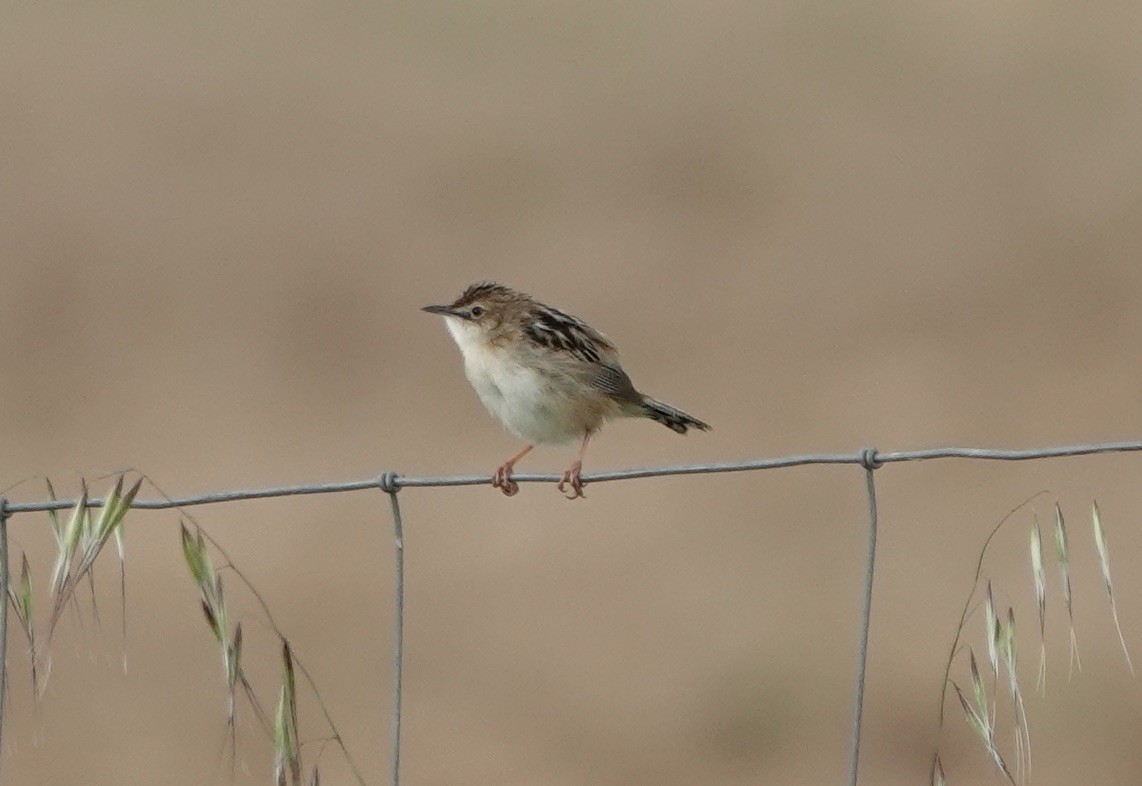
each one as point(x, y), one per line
point(548, 376)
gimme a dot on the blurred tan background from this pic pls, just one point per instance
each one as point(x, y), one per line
point(818, 227)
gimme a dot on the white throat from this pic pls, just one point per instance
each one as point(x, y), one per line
point(466, 335)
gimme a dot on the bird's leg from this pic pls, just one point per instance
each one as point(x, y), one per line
point(571, 476)
point(502, 477)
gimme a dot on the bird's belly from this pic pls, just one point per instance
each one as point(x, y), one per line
point(533, 406)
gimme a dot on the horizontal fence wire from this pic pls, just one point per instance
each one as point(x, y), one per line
point(414, 481)
point(391, 483)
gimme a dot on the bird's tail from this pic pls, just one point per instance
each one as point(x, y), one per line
point(673, 419)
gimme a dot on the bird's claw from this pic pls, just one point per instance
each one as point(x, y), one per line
point(571, 478)
point(502, 480)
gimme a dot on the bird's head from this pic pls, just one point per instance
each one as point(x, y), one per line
point(481, 311)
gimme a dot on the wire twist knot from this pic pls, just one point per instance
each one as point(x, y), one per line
point(869, 460)
point(389, 482)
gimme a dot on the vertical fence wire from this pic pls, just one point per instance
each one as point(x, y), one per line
point(870, 462)
point(3, 614)
point(388, 484)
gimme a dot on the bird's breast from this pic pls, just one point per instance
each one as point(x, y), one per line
point(535, 406)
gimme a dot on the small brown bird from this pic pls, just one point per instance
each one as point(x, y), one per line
point(548, 376)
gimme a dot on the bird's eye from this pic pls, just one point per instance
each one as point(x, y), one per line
point(477, 311)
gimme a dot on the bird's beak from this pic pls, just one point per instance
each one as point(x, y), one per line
point(443, 310)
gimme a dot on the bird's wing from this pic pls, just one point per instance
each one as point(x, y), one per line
point(614, 382)
point(588, 354)
point(560, 332)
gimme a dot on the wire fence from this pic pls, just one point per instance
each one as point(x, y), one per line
point(391, 483)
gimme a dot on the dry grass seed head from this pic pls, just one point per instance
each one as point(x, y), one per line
point(938, 778)
point(1104, 564)
point(1039, 579)
point(991, 622)
point(286, 753)
point(1063, 555)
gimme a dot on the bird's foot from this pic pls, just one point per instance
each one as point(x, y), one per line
point(571, 478)
point(502, 480)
